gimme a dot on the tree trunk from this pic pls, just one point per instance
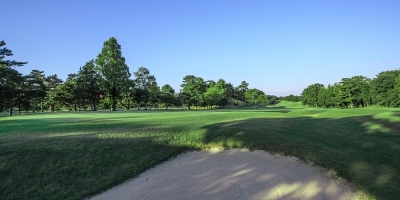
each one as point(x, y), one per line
point(94, 105)
point(11, 110)
point(34, 106)
point(114, 103)
point(19, 108)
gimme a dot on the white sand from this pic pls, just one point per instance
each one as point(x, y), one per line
point(231, 174)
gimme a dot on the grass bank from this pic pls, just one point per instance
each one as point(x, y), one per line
point(72, 155)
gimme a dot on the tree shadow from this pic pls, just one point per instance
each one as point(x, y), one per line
point(397, 113)
point(234, 174)
point(75, 166)
point(366, 155)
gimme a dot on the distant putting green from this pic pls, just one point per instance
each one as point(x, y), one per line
point(73, 155)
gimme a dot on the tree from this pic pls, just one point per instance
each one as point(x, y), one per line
point(180, 99)
point(113, 70)
point(396, 92)
point(230, 90)
point(214, 95)
point(222, 86)
point(240, 90)
point(351, 91)
point(7, 52)
point(193, 89)
point(271, 99)
point(310, 94)
point(143, 82)
point(383, 88)
point(291, 97)
point(255, 96)
point(326, 97)
point(10, 79)
point(66, 94)
point(35, 88)
point(154, 94)
point(167, 95)
point(51, 82)
point(128, 95)
point(88, 81)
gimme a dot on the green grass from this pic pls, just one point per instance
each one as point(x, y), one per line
point(73, 155)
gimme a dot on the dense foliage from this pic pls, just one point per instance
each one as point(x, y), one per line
point(292, 98)
point(355, 92)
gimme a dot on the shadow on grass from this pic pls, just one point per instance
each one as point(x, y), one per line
point(75, 167)
point(397, 113)
point(366, 155)
point(255, 110)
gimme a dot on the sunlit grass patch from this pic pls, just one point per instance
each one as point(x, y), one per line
point(376, 128)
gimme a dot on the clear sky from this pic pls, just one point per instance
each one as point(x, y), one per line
point(278, 46)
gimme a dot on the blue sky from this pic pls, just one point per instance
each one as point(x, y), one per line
point(280, 47)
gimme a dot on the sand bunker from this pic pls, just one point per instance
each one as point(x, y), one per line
point(231, 174)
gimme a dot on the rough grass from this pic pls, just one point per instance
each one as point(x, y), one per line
point(73, 155)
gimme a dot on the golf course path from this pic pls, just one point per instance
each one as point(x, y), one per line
point(231, 174)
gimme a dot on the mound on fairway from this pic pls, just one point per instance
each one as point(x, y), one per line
point(231, 174)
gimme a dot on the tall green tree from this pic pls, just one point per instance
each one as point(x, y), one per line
point(51, 82)
point(167, 96)
point(383, 88)
point(154, 95)
point(240, 90)
point(272, 99)
point(113, 70)
point(4, 51)
point(255, 96)
point(326, 97)
point(67, 94)
point(352, 91)
point(310, 94)
point(396, 92)
point(214, 95)
point(88, 81)
point(193, 89)
point(223, 86)
point(230, 90)
point(35, 88)
point(144, 85)
point(10, 79)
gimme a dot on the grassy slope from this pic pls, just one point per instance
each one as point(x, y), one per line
point(78, 154)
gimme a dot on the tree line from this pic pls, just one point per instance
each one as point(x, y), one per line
point(105, 82)
point(356, 92)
